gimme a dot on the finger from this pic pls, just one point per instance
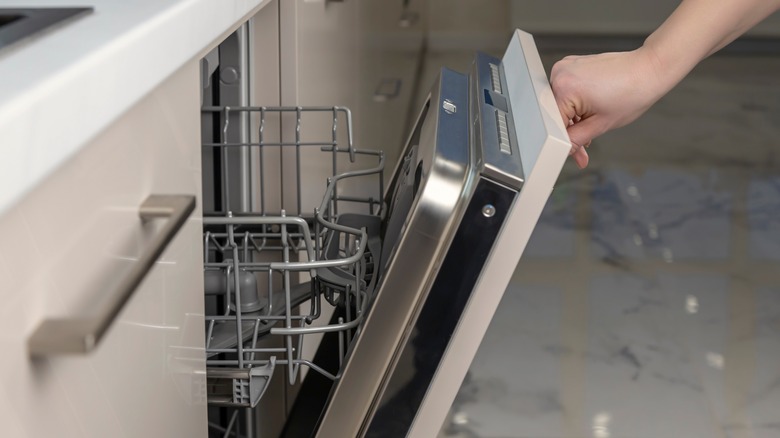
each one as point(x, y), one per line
point(581, 158)
point(581, 134)
point(568, 113)
point(574, 148)
point(564, 98)
point(566, 107)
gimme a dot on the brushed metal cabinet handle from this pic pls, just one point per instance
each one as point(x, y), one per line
point(80, 335)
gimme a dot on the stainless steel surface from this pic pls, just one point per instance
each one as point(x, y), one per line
point(228, 173)
point(244, 128)
point(17, 24)
point(80, 334)
point(443, 151)
point(500, 152)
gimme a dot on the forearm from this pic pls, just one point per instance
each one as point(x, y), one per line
point(598, 93)
point(698, 28)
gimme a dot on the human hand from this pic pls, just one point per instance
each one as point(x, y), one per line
point(598, 93)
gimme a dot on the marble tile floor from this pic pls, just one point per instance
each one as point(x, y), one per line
point(648, 301)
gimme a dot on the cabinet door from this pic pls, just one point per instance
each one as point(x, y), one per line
point(64, 249)
point(363, 55)
point(319, 59)
point(319, 52)
point(391, 43)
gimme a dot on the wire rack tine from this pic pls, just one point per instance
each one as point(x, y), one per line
point(265, 250)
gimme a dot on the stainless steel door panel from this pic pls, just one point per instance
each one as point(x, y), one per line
point(429, 222)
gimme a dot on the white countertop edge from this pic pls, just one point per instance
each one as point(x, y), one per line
point(45, 124)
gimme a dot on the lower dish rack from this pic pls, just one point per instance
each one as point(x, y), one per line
point(269, 278)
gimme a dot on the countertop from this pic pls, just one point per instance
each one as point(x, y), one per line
point(61, 88)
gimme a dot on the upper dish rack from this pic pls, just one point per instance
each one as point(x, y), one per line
point(272, 277)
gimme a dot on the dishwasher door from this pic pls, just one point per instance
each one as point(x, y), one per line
point(464, 199)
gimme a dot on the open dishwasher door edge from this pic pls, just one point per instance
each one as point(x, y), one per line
point(544, 146)
point(492, 146)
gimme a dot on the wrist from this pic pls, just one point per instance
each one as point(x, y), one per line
point(666, 67)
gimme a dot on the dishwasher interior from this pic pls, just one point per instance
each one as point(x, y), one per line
point(290, 236)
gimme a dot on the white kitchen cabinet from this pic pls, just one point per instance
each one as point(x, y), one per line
point(64, 249)
point(319, 52)
point(391, 49)
point(363, 55)
point(354, 54)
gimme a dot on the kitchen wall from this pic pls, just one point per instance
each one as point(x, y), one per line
point(486, 24)
point(633, 17)
point(468, 24)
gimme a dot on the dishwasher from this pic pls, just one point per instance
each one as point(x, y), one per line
point(366, 300)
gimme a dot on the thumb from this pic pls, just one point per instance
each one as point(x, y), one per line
point(581, 157)
point(582, 132)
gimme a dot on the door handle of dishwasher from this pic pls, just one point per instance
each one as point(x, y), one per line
point(80, 335)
